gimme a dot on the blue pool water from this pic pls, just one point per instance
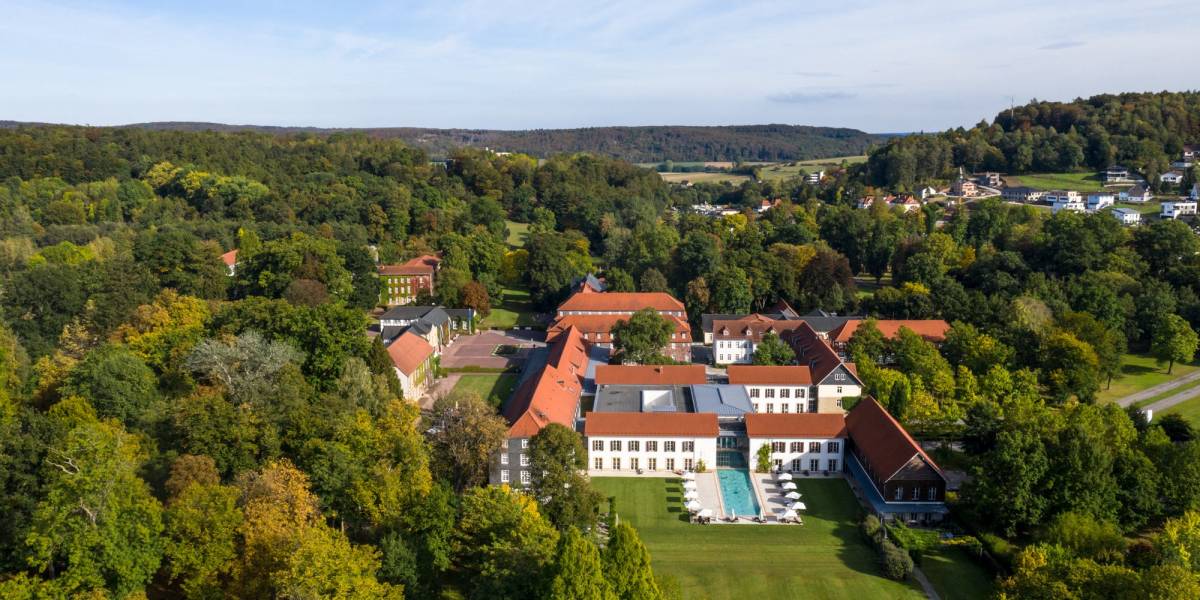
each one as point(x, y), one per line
point(737, 492)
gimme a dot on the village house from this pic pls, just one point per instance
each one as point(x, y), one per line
point(1065, 200)
point(1117, 174)
point(230, 260)
point(1127, 216)
point(1021, 194)
point(899, 479)
point(907, 203)
point(963, 187)
point(1191, 152)
point(1178, 208)
point(1097, 201)
point(735, 340)
point(989, 179)
point(1137, 193)
point(1172, 177)
point(814, 178)
point(927, 192)
point(436, 324)
point(401, 283)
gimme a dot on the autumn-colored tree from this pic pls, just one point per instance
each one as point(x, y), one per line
point(475, 296)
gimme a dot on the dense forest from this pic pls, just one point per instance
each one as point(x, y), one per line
point(731, 143)
point(168, 428)
point(1143, 131)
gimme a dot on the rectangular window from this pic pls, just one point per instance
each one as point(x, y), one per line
point(770, 392)
point(616, 464)
point(689, 446)
point(770, 408)
point(634, 446)
point(783, 408)
point(670, 464)
point(796, 464)
point(899, 492)
point(687, 464)
point(916, 495)
point(797, 447)
point(778, 446)
point(598, 463)
point(753, 392)
point(755, 407)
point(799, 392)
point(839, 390)
point(814, 446)
point(933, 493)
point(525, 477)
point(833, 464)
point(785, 393)
point(504, 458)
point(814, 465)
point(651, 446)
point(652, 464)
point(633, 463)
point(524, 460)
point(524, 443)
point(598, 445)
point(668, 446)
point(614, 445)
point(812, 405)
point(833, 447)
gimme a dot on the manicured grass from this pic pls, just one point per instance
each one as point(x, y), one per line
point(826, 558)
point(955, 575)
point(512, 309)
point(702, 177)
point(1188, 409)
point(1080, 182)
point(517, 233)
point(1167, 394)
point(1138, 372)
point(494, 388)
point(1152, 207)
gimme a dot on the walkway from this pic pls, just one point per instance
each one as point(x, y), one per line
point(1163, 388)
point(925, 585)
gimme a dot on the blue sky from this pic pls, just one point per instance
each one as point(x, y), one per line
point(875, 65)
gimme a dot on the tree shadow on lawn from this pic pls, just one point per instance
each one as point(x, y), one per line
point(856, 551)
point(1138, 370)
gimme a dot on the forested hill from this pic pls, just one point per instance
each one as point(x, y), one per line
point(1144, 131)
point(634, 144)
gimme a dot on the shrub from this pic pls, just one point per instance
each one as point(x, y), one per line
point(1000, 548)
point(700, 466)
point(872, 528)
point(763, 464)
point(897, 564)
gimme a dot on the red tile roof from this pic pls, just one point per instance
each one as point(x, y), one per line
point(766, 375)
point(421, 265)
point(933, 330)
point(650, 375)
point(752, 327)
point(795, 425)
point(638, 423)
point(810, 349)
point(230, 258)
point(622, 301)
point(881, 440)
point(551, 395)
point(409, 351)
point(599, 327)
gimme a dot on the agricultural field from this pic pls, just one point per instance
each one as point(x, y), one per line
point(703, 177)
point(1080, 182)
point(789, 170)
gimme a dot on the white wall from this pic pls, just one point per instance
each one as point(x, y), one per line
point(727, 352)
point(830, 396)
point(705, 449)
point(796, 402)
point(805, 456)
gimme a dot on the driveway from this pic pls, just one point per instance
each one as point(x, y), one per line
point(1160, 389)
point(479, 350)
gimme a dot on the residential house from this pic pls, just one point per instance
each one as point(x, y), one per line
point(814, 178)
point(963, 187)
point(734, 341)
point(799, 443)
point(866, 202)
point(907, 203)
point(412, 358)
point(832, 377)
point(1127, 216)
point(1137, 193)
point(989, 179)
point(898, 478)
point(1178, 208)
point(401, 283)
point(1097, 201)
point(1117, 174)
point(1021, 194)
point(1191, 152)
point(597, 329)
point(1172, 177)
point(928, 192)
point(1065, 200)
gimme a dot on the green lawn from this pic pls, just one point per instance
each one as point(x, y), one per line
point(495, 388)
point(955, 575)
point(1080, 182)
point(1152, 207)
point(517, 233)
point(789, 170)
point(702, 177)
point(1189, 409)
point(1138, 372)
point(826, 558)
point(513, 308)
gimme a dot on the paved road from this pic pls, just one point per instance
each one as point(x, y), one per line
point(1162, 388)
point(1160, 405)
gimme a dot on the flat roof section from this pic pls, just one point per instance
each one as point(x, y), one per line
point(631, 399)
point(722, 400)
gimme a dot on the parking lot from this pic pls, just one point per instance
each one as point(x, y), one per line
point(480, 350)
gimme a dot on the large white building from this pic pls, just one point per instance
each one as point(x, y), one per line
point(650, 442)
point(1182, 208)
point(799, 443)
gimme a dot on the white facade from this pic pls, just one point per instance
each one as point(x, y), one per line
point(653, 454)
point(1195, 191)
point(1174, 210)
point(1068, 205)
point(1099, 201)
point(733, 352)
point(801, 454)
point(783, 399)
point(814, 178)
point(1127, 216)
point(1172, 177)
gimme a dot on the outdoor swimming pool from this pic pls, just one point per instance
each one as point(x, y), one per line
point(737, 492)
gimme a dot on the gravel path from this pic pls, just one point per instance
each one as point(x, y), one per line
point(1160, 389)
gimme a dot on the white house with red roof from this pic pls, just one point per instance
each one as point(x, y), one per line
point(230, 260)
point(412, 358)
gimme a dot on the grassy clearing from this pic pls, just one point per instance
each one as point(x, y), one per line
point(1153, 207)
point(517, 233)
point(1080, 182)
point(826, 558)
point(701, 177)
point(494, 388)
point(1188, 409)
point(955, 575)
point(1138, 372)
point(790, 170)
point(513, 309)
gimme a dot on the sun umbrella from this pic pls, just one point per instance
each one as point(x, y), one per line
point(787, 485)
point(688, 476)
point(692, 506)
point(689, 485)
point(785, 477)
point(799, 506)
point(705, 513)
point(793, 496)
point(788, 514)
point(691, 495)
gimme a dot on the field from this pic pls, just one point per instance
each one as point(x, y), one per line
point(517, 233)
point(788, 170)
point(1189, 409)
point(826, 558)
point(494, 388)
point(1139, 372)
point(1146, 208)
point(702, 177)
point(1080, 182)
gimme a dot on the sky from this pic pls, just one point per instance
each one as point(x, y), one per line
point(879, 66)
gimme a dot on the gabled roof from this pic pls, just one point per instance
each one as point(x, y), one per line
point(882, 441)
point(933, 330)
point(795, 425)
point(594, 324)
point(752, 327)
point(815, 352)
point(405, 313)
point(408, 352)
point(769, 375)
point(421, 265)
point(230, 258)
point(622, 301)
point(551, 395)
point(665, 424)
point(650, 374)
